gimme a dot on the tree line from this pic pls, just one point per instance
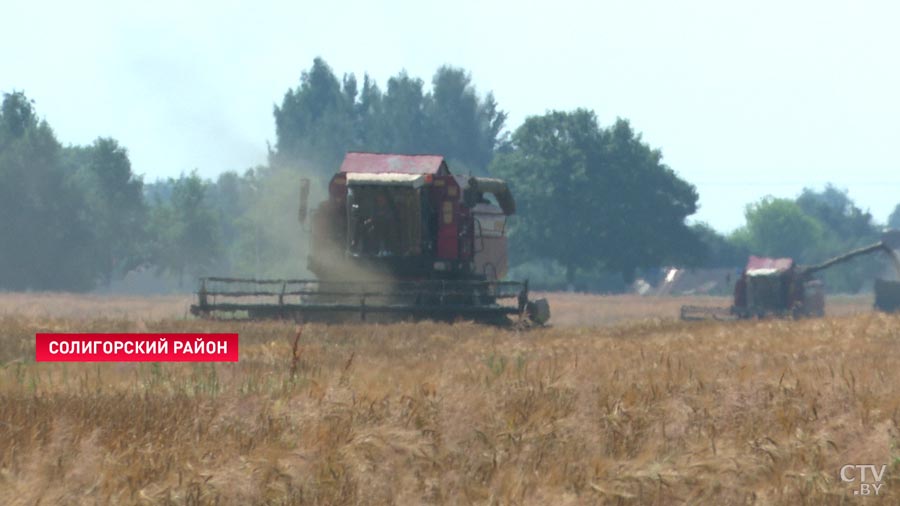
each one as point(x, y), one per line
point(595, 202)
point(814, 226)
point(324, 117)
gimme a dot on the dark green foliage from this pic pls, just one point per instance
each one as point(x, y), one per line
point(185, 230)
point(47, 238)
point(402, 117)
point(114, 204)
point(780, 228)
point(17, 113)
point(894, 219)
point(718, 250)
point(324, 117)
point(257, 212)
point(812, 228)
point(596, 202)
point(845, 227)
point(75, 217)
point(591, 197)
point(314, 124)
point(231, 196)
point(839, 215)
point(462, 127)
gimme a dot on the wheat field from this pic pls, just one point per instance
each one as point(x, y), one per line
point(617, 403)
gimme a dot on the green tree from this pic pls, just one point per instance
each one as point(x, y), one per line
point(314, 124)
point(718, 250)
point(369, 113)
point(324, 117)
point(842, 219)
point(592, 197)
point(273, 243)
point(845, 227)
point(186, 230)
point(46, 239)
point(114, 206)
point(779, 228)
point(462, 127)
point(231, 196)
point(894, 219)
point(403, 117)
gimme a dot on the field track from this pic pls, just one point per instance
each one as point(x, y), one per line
point(617, 403)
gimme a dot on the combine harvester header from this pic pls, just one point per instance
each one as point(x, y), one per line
point(398, 235)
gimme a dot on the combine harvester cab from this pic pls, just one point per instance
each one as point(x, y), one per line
point(398, 236)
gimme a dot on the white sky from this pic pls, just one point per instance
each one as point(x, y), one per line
point(744, 99)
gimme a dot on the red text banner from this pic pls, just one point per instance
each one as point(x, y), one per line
point(158, 347)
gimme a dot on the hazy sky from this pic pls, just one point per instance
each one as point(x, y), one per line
point(744, 99)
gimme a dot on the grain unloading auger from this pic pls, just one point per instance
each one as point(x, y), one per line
point(779, 287)
point(399, 236)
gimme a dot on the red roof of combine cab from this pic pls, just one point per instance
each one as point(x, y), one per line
point(399, 164)
point(761, 266)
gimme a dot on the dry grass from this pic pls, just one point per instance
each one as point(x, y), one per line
point(569, 309)
point(37, 306)
point(648, 411)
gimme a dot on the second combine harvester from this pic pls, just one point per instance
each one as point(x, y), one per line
point(780, 287)
point(397, 236)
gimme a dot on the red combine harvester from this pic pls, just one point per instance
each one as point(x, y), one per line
point(779, 287)
point(398, 236)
